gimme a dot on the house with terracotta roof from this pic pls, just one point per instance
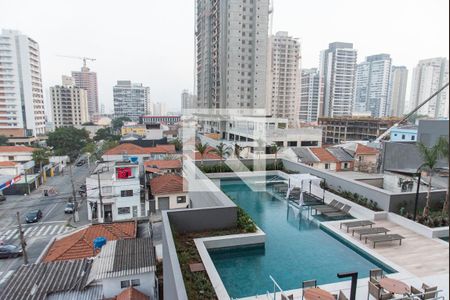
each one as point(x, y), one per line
point(16, 153)
point(10, 168)
point(134, 152)
point(333, 159)
point(168, 191)
point(163, 166)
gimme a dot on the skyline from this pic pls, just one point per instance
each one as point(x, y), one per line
point(168, 67)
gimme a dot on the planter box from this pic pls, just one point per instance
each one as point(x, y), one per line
point(418, 228)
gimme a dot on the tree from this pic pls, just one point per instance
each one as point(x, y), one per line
point(68, 141)
point(41, 155)
point(117, 123)
point(443, 149)
point(88, 124)
point(108, 145)
point(3, 140)
point(430, 156)
point(105, 134)
point(202, 149)
point(223, 151)
point(177, 143)
point(274, 148)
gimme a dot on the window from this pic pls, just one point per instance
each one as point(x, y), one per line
point(413, 138)
point(135, 282)
point(124, 284)
point(181, 199)
point(403, 136)
point(292, 144)
point(327, 166)
point(126, 193)
point(10, 157)
point(107, 189)
point(123, 210)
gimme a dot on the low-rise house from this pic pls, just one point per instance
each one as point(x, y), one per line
point(10, 168)
point(122, 264)
point(333, 159)
point(16, 153)
point(366, 158)
point(345, 160)
point(168, 191)
point(404, 134)
point(114, 192)
point(141, 154)
point(163, 166)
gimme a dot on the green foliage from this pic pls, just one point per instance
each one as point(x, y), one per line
point(41, 155)
point(222, 150)
point(117, 123)
point(105, 134)
point(3, 140)
point(108, 145)
point(226, 169)
point(88, 124)
point(245, 222)
point(434, 219)
point(354, 197)
point(68, 141)
point(177, 143)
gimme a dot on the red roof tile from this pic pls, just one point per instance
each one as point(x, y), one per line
point(8, 163)
point(127, 148)
point(208, 155)
point(16, 149)
point(168, 184)
point(80, 244)
point(323, 155)
point(132, 294)
point(163, 164)
point(362, 149)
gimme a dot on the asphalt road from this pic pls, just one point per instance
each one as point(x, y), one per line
point(54, 221)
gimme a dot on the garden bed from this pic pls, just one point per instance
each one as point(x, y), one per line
point(354, 197)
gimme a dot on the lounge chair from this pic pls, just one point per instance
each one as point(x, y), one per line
point(307, 284)
point(332, 204)
point(429, 292)
point(377, 292)
point(369, 231)
point(328, 208)
point(342, 213)
point(287, 297)
point(342, 296)
point(384, 238)
point(353, 224)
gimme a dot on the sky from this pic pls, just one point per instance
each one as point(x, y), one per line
point(152, 41)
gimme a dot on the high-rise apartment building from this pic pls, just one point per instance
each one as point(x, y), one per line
point(159, 109)
point(397, 90)
point(285, 80)
point(187, 100)
point(21, 99)
point(88, 80)
point(311, 94)
point(69, 103)
point(131, 100)
point(372, 85)
point(231, 53)
point(428, 76)
point(338, 69)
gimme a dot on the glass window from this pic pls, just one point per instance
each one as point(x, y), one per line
point(126, 193)
point(181, 199)
point(123, 210)
point(124, 284)
point(135, 282)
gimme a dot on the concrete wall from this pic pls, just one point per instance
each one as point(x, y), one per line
point(202, 219)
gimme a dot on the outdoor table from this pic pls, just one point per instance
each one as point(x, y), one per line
point(318, 294)
point(394, 286)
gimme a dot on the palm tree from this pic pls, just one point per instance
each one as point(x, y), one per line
point(223, 151)
point(202, 149)
point(443, 149)
point(430, 156)
point(274, 148)
point(41, 157)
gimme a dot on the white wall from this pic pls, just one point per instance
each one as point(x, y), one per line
point(173, 200)
point(111, 286)
point(18, 156)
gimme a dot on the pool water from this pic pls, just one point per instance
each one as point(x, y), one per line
point(296, 249)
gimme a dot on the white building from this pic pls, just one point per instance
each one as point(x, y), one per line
point(69, 103)
point(372, 85)
point(311, 94)
point(397, 90)
point(131, 100)
point(187, 100)
point(338, 69)
point(285, 71)
point(22, 113)
point(159, 109)
point(429, 75)
point(86, 79)
point(169, 191)
point(16, 153)
point(120, 194)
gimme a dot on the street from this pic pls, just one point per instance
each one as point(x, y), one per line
point(53, 222)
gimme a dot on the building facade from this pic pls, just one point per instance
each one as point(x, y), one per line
point(131, 100)
point(372, 85)
point(397, 91)
point(311, 94)
point(86, 79)
point(187, 100)
point(338, 69)
point(22, 111)
point(231, 53)
point(69, 103)
point(428, 76)
point(285, 81)
point(159, 109)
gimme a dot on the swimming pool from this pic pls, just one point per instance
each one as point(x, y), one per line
point(295, 250)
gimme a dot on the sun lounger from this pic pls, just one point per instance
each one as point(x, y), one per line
point(369, 231)
point(329, 209)
point(331, 204)
point(353, 224)
point(384, 238)
point(342, 213)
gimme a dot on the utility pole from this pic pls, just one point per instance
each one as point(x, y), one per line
point(100, 195)
point(22, 240)
point(74, 193)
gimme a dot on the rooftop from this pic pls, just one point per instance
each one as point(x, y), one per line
point(127, 149)
point(80, 244)
point(8, 149)
point(131, 294)
point(323, 155)
point(168, 184)
point(163, 164)
point(8, 163)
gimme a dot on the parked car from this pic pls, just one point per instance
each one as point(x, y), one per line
point(70, 207)
point(2, 198)
point(7, 251)
point(80, 162)
point(33, 216)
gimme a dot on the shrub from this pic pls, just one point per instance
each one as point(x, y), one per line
point(245, 222)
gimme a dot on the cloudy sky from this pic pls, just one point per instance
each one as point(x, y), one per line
point(152, 41)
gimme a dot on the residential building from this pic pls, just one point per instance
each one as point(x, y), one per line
point(372, 85)
point(365, 158)
point(168, 191)
point(22, 112)
point(69, 103)
point(187, 100)
point(16, 153)
point(136, 153)
point(333, 159)
point(86, 79)
point(311, 95)
point(231, 54)
point(399, 81)
point(131, 100)
point(345, 129)
point(429, 131)
point(338, 70)
point(168, 120)
point(285, 72)
point(159, 109)
point(164, 166)
point(11, 168)
point(120, 194)
point(404, 134)
point(429, 75)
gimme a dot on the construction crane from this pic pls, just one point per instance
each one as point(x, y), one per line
point(382, 136)
point(77, 57)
